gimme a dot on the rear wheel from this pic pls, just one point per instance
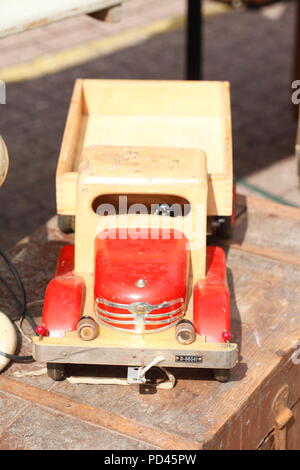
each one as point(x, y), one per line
point(224, 227)
point(56, 372)
point(66, 223)
point(222, 375)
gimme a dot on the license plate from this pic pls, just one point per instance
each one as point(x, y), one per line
point(186, 358)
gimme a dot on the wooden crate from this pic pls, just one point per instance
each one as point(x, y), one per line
point(264, 276)
point(149, 113)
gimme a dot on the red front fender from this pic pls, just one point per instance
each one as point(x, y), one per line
point(212, 299)
point(64, 296)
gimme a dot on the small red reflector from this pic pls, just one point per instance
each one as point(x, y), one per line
point(226, 335)
point(42, 331)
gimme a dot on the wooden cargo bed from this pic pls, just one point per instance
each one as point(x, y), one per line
point(149, 113)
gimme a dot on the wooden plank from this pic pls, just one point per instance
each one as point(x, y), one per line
point(175, 114)
point(265, 252)
point(160, 131)
point(255, 420)
point(107, 170)
point(260, 205)
point(65, 180)
point(57, 430)
point(94, 416)
point(172, 97)
point(267, 229)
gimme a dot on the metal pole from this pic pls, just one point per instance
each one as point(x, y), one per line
point(194, 40)
point(296, 70)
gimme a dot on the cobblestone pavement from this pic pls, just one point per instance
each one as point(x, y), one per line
point(250, 49)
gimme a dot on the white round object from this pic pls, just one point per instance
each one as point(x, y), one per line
point(8, 339)
point(3, 161)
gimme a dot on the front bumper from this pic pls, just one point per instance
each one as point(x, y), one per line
point(135, 351)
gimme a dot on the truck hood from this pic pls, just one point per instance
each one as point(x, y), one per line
point(159, 265)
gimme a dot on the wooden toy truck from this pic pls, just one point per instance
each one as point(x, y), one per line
point(145, 172)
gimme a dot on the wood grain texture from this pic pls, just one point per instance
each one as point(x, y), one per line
point(95, 416)
point(65, 177)
point(149, 113)
point(265, 301)
point(267, 229)
point(107, 170)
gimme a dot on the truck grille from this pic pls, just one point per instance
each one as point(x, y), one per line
point(139, 317)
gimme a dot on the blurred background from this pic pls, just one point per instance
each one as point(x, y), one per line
point(251, 46)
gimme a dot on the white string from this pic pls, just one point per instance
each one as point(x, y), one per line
point(31, 373)
point(168, 384)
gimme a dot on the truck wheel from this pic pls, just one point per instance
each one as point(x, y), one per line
point(66, 223)
point(224, 227)
point(222, 375)
point(56, 371)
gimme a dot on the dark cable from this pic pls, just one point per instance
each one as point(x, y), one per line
point(15, 358)
point(14, 296)
point(21, 306)
point(18, 279)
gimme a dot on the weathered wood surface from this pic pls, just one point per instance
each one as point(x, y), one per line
point(264, 275)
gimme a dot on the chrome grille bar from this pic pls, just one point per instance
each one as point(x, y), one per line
point(147, 315)
point(101, 300)
point(147, 322)
point(139, 315)
point(142, 332)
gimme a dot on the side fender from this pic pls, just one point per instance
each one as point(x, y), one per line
point(212, 299)
point(64, 297)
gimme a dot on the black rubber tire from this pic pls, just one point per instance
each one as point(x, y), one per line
point(222, 375)
point(225, 228)
point(56, 372)
point(66, 223)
